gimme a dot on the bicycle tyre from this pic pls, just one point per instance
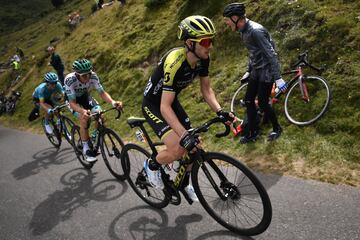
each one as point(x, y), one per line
point(55, 137)
point(216, 162)
point(117, 172)
point(77, 145)
point(306, 108)
point(235, 105)
point(66, 128)
point(134, 169)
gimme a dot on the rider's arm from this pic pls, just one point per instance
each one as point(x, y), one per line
point(44, 105)
point(168, 113)
point(267, 47)
point(106, 97)
point(74, 106)
point(209, 94)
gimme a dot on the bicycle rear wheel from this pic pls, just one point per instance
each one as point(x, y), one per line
point(237, 102)
point(110, 146)
point(66, 128)
point(232, 194)
point(132, 159)
point(304, 109)
point(78, 147)
point(54, 137)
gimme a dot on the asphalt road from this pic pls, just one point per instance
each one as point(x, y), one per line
point(46, 194)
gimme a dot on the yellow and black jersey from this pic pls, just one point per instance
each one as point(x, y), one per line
point(173, 74)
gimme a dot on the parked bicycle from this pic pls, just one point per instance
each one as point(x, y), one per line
point(10, 104)
point(107, 140)
point(61, 126)
point(228, 190)
point(307, 98)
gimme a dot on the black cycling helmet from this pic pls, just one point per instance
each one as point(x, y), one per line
point(234, 9)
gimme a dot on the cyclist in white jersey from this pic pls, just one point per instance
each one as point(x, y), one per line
point(77, 87)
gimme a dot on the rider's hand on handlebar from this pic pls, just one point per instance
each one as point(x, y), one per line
point(281, 84)
point(117, 104)
point(189, 141)
point(229, 117)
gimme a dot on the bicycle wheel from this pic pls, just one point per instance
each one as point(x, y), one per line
point(132, 160)
point(54, 137)
point(303, 111)
point(237, 105)
point(78, 146)
point(66, 127)
point(110, 146)
point(232, 194)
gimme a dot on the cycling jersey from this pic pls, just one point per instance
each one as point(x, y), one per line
point(173, 74)
point(74, 88)
point(43, 93)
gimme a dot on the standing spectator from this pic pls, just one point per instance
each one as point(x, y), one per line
point(56, 62)
point(263, 69)
point(20, 52)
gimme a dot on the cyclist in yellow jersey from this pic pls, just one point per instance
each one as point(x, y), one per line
point(161, 108)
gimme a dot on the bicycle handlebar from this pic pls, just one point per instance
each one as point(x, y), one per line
point(304, 61)
point(205, 127)
point(98, 114)
point(57, 108)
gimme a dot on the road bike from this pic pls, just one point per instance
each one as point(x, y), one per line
point(61, 126)
point(306, 100)
point(106, 140)
point(228, 190)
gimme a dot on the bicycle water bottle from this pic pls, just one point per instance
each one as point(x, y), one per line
point(94, 135)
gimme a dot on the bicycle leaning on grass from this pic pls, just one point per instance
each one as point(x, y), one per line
point(228, 190)
point(106, 140)
point(306, 100)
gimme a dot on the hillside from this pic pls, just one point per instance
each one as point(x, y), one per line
point(125, 43)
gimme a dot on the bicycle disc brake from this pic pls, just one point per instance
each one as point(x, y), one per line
point(230, 190)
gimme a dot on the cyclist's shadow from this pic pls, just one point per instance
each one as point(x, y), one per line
point(154, 226)
point(44, 159)
point(78, 192)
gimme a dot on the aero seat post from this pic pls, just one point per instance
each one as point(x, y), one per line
point(146, 135)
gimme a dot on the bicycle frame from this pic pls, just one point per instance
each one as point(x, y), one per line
point(299, 76)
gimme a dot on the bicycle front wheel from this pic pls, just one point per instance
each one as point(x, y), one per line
point(232, 194)
point(132, 159)
point(67, 125)
point(110, 146)
point(54, 137)
point(304, 106)
point(237, 102)
point(78, 147)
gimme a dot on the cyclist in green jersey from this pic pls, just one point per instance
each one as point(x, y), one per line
point(161, 108)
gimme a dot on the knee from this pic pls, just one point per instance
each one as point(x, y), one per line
point(176, 152)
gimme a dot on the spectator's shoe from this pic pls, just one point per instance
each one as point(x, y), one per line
point(275, 134)
point(154, 177)
point(48, 129)
point(189, 189)
point(90, 156)
point(249, 138)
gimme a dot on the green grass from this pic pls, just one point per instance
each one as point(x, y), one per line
point(125, 44)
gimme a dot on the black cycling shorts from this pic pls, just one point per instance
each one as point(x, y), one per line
point(153, 116)
point(86, 101)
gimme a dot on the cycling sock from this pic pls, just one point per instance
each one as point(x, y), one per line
point(154, 165)
point(85, 145)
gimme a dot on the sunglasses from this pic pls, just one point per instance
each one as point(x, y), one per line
point(85, 74)
point(204, 42)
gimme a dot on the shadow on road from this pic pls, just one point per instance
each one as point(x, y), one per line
point(42, 160)
point(79, 190)
point(146, 223)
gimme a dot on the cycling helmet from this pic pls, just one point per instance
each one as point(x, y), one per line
point(51, 77)
point(196, 27)
point(234, 9)
point(82, 66)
